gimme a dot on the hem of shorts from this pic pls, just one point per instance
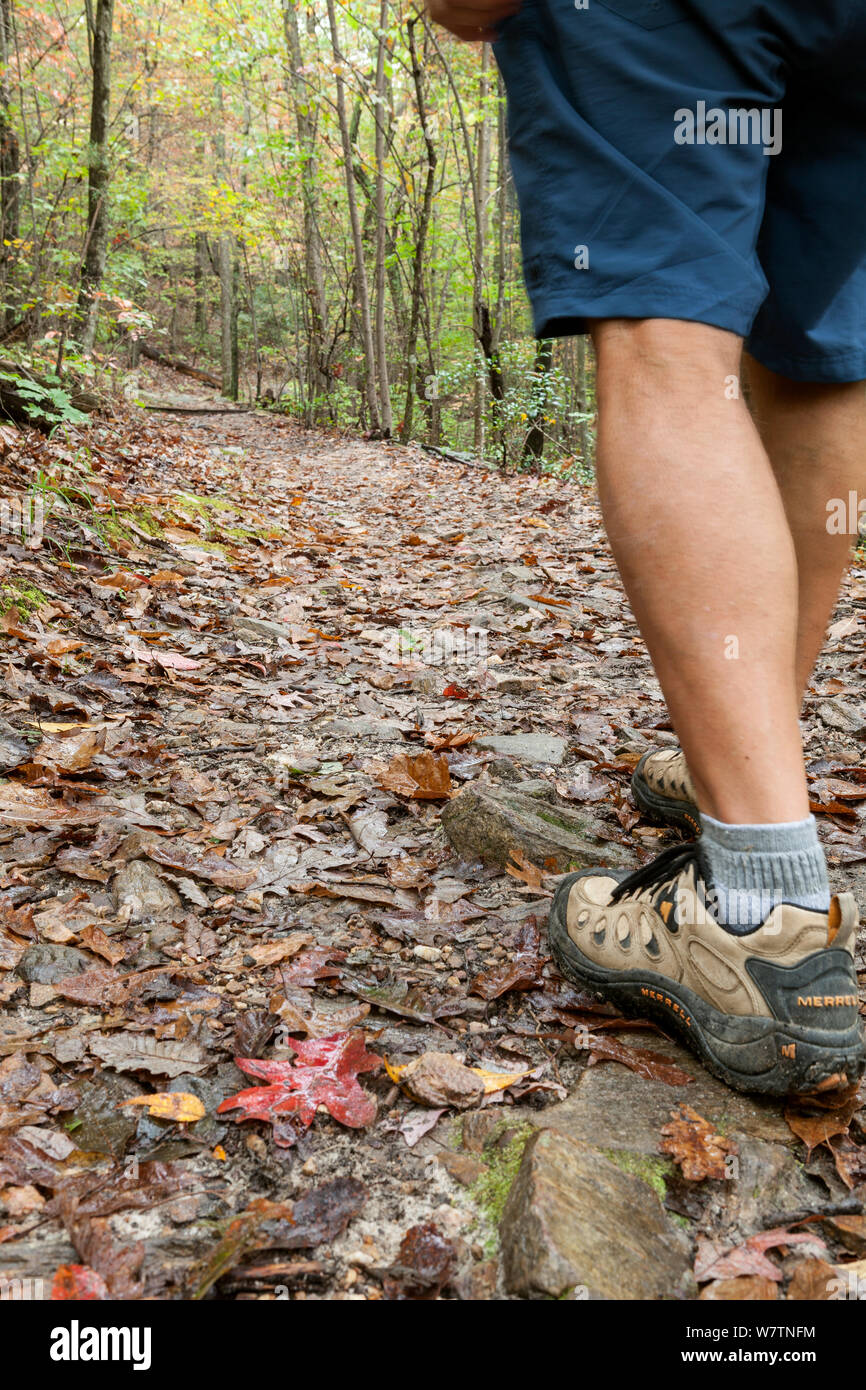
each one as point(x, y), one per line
point(567, 317)
point(830, 369)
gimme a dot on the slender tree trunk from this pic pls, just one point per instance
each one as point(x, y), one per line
point(483, 328)
point(357, 238)
point(10, 164)
point(420, 237)
point(533, 446)
point(381, 335)
point(582, 398)
point(227, 317)
point(298, 89)
point(201, 271)
point(98, 179)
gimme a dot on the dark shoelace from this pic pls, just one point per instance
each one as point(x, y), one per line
point(660, 872)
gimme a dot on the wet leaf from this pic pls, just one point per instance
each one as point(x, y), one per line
point(423, 1266)
point(78, 1284)
point(653, 1066)
point(186, 1109)
point(324, 1074)
point(696, 1145)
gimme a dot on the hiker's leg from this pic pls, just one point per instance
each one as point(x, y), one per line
point(815, 435)
point(698, 529)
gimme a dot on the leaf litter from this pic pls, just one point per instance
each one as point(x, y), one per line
point(222, 772)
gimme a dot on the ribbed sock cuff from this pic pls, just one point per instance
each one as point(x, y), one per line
point(753, 868)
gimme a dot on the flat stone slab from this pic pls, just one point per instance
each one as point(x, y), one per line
point(490, 822)
point(574, 1221)
point(377, 730)
point(526, 748)
point(614, 1108)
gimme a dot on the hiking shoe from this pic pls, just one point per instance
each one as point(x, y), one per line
point(771, 1009)
point(663, 788)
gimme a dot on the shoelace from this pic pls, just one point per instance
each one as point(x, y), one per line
point(660, 873)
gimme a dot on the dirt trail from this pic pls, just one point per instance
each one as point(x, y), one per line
point(239, 689)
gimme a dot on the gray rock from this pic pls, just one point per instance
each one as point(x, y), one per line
point(260, 627)
point(574, 1219)
point(614, 1108)
point(526, 748)
point(512, 683)
point(769, 1183)
point(489, 823)
point(13, 750)
point(47, 963)
point(138, 886)
point(840, 714)
point(379, 730)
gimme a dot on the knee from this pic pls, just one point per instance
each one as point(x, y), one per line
point(669, 355)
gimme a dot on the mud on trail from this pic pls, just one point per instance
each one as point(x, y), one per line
point(297, 732)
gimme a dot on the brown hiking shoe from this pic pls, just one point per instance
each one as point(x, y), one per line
point(771, 1009)
point(663, 788)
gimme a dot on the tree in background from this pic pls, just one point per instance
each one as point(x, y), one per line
point(310, 201)
point(99, 32)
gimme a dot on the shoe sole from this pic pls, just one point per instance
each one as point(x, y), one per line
point(670, 809)
point(749, 1053)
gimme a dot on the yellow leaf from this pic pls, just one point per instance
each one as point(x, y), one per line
point(394, 1072)
point(171, 1105)
point(220, 1153)
point(56, 726)
point(499, 1080)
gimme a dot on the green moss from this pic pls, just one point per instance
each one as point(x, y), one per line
point(490, 1191)
point(561, 821)
point(651, 1170)
point(143, 518)
point(21, 595)
point(194, 505)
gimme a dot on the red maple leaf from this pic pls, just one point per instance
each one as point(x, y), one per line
point(78, 1283)
point(325, 1073)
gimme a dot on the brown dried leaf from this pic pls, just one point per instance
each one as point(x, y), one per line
point(696, 1145)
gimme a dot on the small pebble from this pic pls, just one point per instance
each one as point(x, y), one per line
point(429, 953)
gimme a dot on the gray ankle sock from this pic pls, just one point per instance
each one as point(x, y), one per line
point(752, 868)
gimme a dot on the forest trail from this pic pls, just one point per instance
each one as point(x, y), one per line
point(242, 681)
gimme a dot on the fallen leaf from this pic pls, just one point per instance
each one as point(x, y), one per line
point(746, 1288)
point(423, 1265)
point(138, 1052)
point(324, 1074)
point(653, 1066)
point(186, 1109)
point(424, 777)
point(78, 1284)
point(696, 1145)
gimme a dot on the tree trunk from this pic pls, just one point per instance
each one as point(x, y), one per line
point(533, 445)
point(582, 398)
point(98, 179)
point(10, 164)
point(201, 271)
point(297, 86)
point(227, 315)
point(381, 335)
point(357, 238)
point(483, 327)
point(420, 238)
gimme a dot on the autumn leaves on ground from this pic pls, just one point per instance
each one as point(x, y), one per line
point(297, 732)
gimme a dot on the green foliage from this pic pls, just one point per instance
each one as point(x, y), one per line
point(50, 402)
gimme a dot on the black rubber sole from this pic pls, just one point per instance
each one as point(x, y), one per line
point(749, 1053)
point(669, 809)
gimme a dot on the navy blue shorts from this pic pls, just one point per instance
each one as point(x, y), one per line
point(696, 159)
